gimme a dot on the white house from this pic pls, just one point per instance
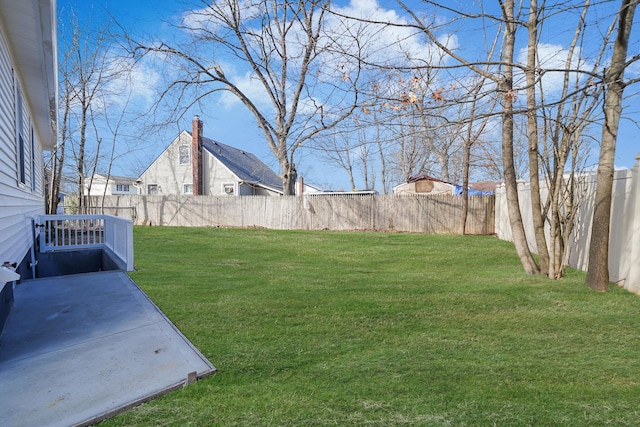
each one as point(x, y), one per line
point(110, 185)
point(193, 164)
point(28, 126)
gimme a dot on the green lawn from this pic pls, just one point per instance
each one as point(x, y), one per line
point(332, 328)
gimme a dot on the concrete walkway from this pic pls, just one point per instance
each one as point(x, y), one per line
point(77, 349)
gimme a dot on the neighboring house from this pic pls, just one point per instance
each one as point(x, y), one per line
point(60, 209)
point(193, 164)
point(28, 126)
point(110, 185)
point(302, 188)
point(425, 184)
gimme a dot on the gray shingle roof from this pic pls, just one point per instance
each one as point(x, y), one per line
point(245, 165)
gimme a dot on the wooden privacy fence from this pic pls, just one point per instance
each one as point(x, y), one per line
point(441, 214)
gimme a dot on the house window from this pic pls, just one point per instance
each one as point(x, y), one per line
point(185, 154)
point(229, 189)
point(21, 148)
point(21, 172)
point(122, 187)
point(187, 189)
point(152, 189)
point(33, 161)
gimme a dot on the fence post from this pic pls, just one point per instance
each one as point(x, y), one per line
point(502, 227)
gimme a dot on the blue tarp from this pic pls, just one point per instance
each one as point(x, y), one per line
point(458, 191)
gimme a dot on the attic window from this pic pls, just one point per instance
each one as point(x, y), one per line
point(185, 154)
point(122, 187)
point(229, 189)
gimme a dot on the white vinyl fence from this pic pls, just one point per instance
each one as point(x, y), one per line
point(624, 241)
point(440, 214)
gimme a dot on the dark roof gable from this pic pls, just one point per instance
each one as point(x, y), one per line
point(246, 166)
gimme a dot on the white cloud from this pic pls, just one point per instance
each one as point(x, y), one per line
point(204, 19)
point(554, 57)
point(199, 19)
point(136, 83)
point(391, 45)
point(396, 43)
point(250, 86)
point(633, 70)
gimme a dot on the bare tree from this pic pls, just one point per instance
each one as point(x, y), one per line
point(413, 115)
point(114, 126)
point(505, 87)
point(57, 159)
point(88, 67)
point(598, 272)
point(566, 131)
point(532, 130)
point(91, 72)
point(337, 148)
point(305, 85)
point(474, 131)
point(564, 120)
point(503, 80)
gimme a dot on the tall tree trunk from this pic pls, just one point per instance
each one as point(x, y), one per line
point(598, 272)
point(58, 162)
point(532, 130)
point(465, 181)
point(81, 150)
point(511, 186)
point(289, 179)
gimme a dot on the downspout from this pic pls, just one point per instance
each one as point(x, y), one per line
point(34, 262)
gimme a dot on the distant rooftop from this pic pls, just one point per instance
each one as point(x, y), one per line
point(245, 165)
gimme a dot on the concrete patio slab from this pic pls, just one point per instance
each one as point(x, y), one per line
point(77, 349)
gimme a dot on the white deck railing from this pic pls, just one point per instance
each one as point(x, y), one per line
point(76, 232)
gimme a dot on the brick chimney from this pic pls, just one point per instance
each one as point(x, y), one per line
point(196, 156)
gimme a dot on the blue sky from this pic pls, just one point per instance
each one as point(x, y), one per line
point(229, 123)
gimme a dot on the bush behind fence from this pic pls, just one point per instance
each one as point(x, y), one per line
point(441, 214)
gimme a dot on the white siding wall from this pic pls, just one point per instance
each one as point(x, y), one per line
point(18, 202)
point(166, 171)
point(97, 187)
point(216, 175)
